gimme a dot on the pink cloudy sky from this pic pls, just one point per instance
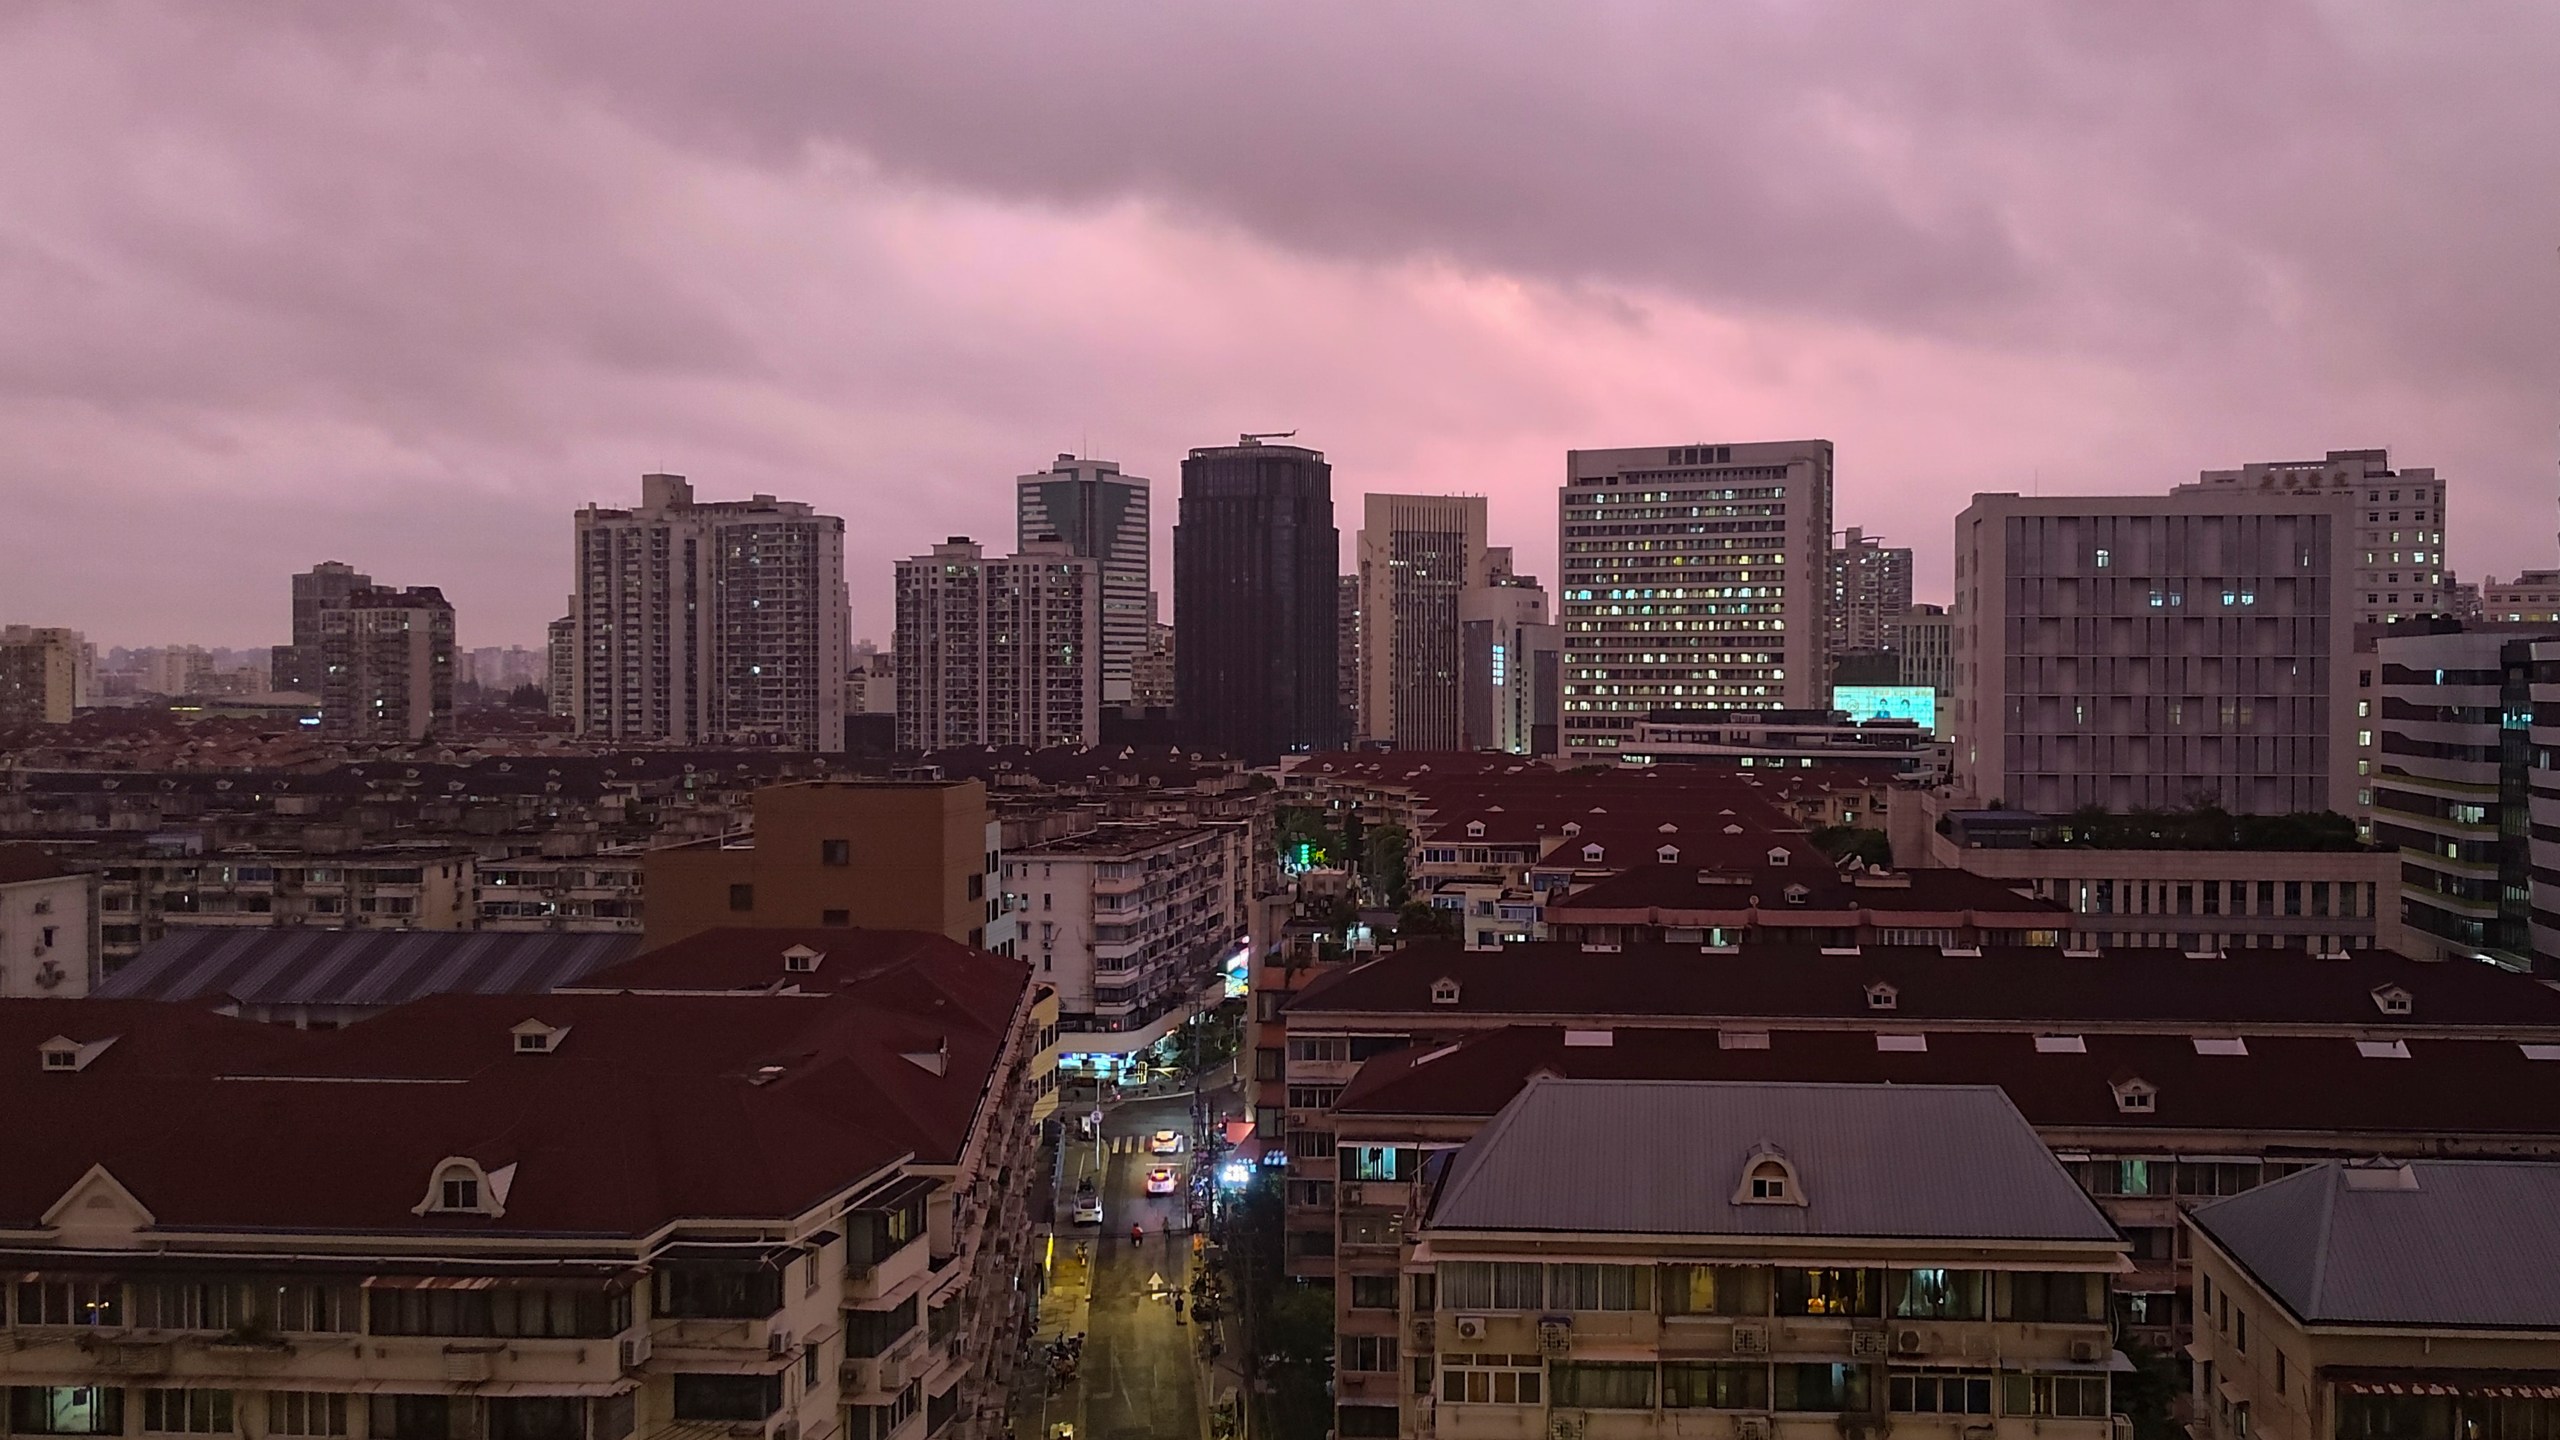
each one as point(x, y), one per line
point(405, 284)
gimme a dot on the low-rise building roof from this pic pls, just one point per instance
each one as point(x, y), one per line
point(301, 966)
point(1927, 1162)
point(21, 863)
point(2462, 1244)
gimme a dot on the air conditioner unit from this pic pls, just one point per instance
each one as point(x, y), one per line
point(2084, 1352)
point(778, 1343)
point(1751, 1427)
point(1908, 1341)
point(1470, 1327)
point(1866, 1344)
point(1555, 1335)
point(635, 1352)
point(1564, 1425)
point(1750, 1339)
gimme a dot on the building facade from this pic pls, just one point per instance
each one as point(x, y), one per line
point(2157, 651)
point(896, 855)
point(1102, 515)
point(1151, 677)
point(298, 666)
point(142, 894)
point(1000, 651)
point(48, 926)
point(1347, 652)
point(386, 663)
point(1693, 576)
point(1870, 591)
point(2394, 546)
point(1419, 555)
point(44, 672)
point(1510, 667)
point(1923, 642)
point(1255, 580)
point(2532, 597)
point(710, 622)
point(1630, 1258)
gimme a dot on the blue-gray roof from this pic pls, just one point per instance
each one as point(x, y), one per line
point(1658, 1157)
point(2467, 1243)
point(297, 966)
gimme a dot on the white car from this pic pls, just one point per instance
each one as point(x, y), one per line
point(1160, 1180)
point(1088, 1210)
point(1164, 1142)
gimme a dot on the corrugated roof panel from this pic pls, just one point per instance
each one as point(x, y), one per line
point(301, 966)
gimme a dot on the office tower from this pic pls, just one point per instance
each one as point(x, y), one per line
point(1103, 515)
point(1922, 640)
point(1870, 589)
point(999, 651)
point(2455, 790)
point(44, 674)
point(1694, 579)
point(2157, 651)
point(2396, 550)
point(1256, 563)
point(704, 623)
point(560, 677)
point(386, 663)
point(1417, 555)
point(1509, 662)
point(296, 666)
point(1346, 654)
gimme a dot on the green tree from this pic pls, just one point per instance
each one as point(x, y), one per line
point(1422, 920)
point(2144, 1394)
point(1842, 841)
point(1385, 856)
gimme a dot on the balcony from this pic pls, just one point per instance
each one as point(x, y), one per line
point(872, 1379)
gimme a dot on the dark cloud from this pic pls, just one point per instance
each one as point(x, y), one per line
point(405, 284)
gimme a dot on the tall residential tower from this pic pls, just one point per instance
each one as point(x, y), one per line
point(1417, 554)
point(297, 666)
point(999, 651)
point(710, 623)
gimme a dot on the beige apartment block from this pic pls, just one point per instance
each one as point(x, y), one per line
point(1418, 555)
point(48, 926)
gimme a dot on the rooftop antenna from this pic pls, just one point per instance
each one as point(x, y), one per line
point(1251, 437)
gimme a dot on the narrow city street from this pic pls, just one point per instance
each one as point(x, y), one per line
point(1138, 1377)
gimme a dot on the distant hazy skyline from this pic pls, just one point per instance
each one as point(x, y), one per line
point(295, 280)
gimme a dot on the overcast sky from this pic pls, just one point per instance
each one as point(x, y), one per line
point(403, 285)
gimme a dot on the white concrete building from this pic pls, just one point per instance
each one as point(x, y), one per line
point(999, 651)
point(48, 926)
point(711, 622)
point(1102, 515)
point(2396, 547)
point(1418, 554)
point(1693, 578)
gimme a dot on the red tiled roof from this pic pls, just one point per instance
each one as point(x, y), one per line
point(2284, 1083)
point(1782, 980)
point(655, 1108)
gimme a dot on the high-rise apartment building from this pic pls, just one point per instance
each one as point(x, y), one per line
point(560, 679)
point(2157, 651)
point(1256, 575)
point(2396, 549)
point(1870, 590)
point(44, 674)
point(296, 666)
point(1151, 677)
point(999, 651)
point(710, 622)
point(1102, 515)
point(1346, 640)
point(1509, 664)
point(1694, 579)
point(1417, 554)
point(386, 665)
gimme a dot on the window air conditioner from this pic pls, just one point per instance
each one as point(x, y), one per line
point(778, 1343)
point(635, 1352)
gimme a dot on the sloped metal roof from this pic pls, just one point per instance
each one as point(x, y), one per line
point(2471, 1243)
point(1666, 1158)
point(296, 966)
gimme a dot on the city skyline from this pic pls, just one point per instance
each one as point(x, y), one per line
point(2078, 294)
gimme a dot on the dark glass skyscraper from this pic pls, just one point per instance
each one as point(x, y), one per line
point(1255, 577)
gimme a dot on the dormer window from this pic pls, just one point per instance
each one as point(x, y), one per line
point(1768, 1178)
point(1573, 827)
point(1733, 829)
point(1668, 854)
point(460, 1187)
point(2392, 1000)
point(1593, 853)
point(63, 1055)
point(1475, 829)
point(801, 960)
point(535, 1038)
point(1777, 855)
point(1796, 894)
point(2135, 1096)
point(1881, 996)
point(1444, 991)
